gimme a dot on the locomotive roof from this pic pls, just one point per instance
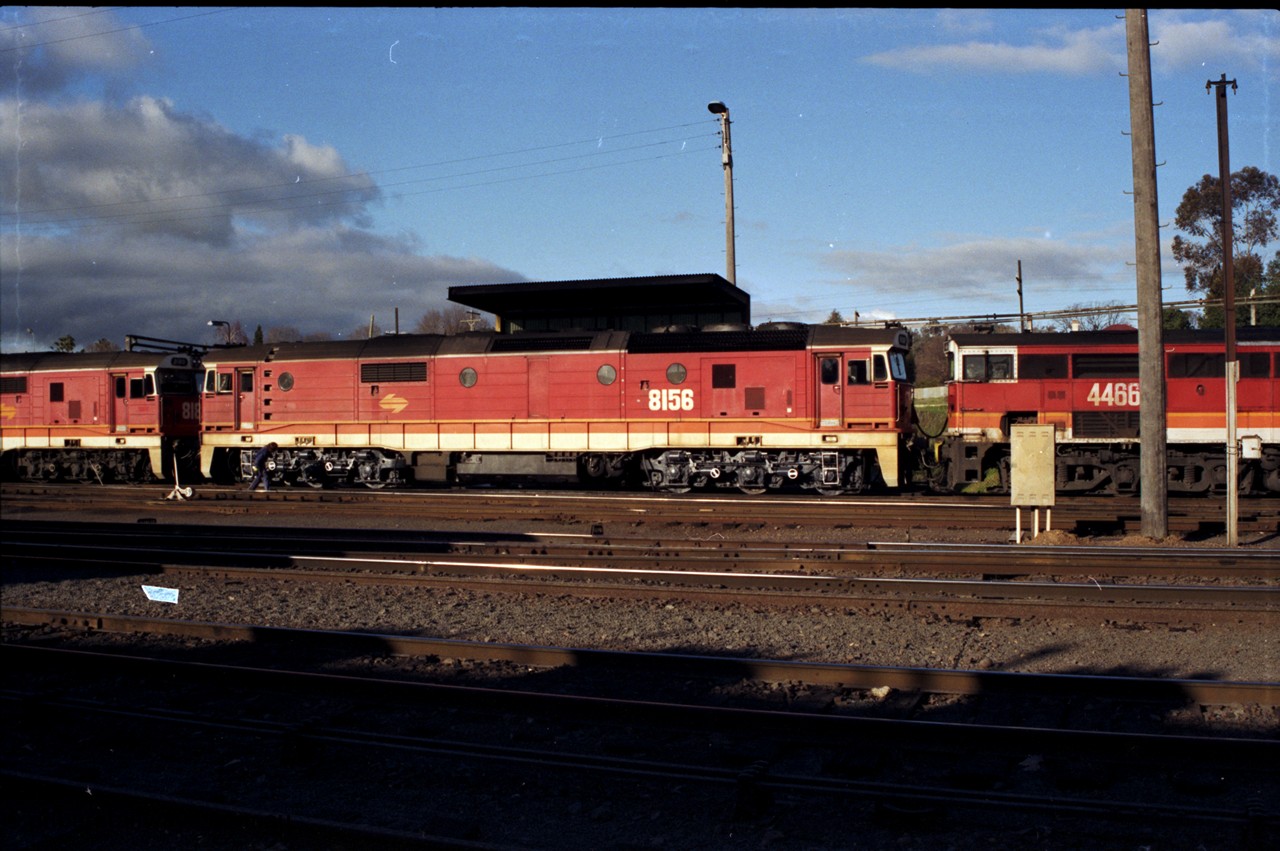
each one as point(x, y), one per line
point(777, 336)
point(394, 345)
point(421, 346)
point(1244, 334)
point(613, 299)
point(29, 361)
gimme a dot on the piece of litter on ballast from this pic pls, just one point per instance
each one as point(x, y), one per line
point(160, 595)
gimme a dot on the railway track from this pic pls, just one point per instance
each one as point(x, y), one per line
point(878, 577)
point(222, 704)
point(983, 757)
point(1084, 514)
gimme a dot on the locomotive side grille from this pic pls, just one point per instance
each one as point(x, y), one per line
point(1105, 365)
point(13, 384)
point(379, 373)
point(1105, 424)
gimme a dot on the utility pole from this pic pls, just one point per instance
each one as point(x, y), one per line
point(1228, 310)
point(1022, 316)
point(726, 158)
point(1146, 228)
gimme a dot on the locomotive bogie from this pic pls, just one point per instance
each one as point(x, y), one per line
point(756, 471)
point(322, 467)
point(85, 465)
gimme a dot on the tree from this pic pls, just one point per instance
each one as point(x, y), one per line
point(102, 345)
point(928, 356)
point(1093, 317)
point(834, 319)
point(365, 332)
point(257, 336)
point(1268, 314)
point(927, 360)
point(65, 343)
point(453, 319)
point(1255, 201)
point(1177, 320)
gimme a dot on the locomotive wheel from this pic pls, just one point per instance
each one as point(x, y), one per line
point(754, 490)
point(830, 491)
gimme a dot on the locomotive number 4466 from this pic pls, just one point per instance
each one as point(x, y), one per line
point(671, 399)
point(1116, 394)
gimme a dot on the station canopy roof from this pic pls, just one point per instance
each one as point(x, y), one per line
point(624, 304)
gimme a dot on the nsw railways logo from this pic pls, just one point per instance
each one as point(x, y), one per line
point(392, 403)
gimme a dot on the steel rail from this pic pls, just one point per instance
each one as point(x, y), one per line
point(1185, 515)
point(342, 833)
point(1145, 603)
point(987, 559)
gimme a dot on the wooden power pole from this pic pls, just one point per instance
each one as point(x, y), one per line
point(1146, 228)
point(1228, 311)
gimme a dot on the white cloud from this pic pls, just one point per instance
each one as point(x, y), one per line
point(315, 279)
point(47, 47)
point(1070, 52)
point(1247, 41)
point(147, 168)
point(137, 217)
point(1182, 39)
point(912, 281)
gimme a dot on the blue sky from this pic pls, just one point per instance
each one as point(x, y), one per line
point(308, 168)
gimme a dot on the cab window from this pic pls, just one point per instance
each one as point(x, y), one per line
point(140, 388)
point(881, 368)
point(986, 367)
point(829, 369)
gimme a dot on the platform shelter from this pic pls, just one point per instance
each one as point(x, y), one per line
point(620, 304)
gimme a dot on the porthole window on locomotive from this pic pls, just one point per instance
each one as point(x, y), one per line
point(285, 382)
point(467, 377)
point(606, 375)
point(676, 373)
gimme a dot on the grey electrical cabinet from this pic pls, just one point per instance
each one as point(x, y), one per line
point(1031, 466)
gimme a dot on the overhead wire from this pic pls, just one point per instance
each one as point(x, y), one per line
point(47, 21)
point(28, 214)
point(17, 47)
point(295, 201)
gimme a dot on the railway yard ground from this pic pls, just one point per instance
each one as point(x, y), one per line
point(491, 670)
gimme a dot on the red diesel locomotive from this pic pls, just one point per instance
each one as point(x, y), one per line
point(112, 416)
point(1086, 384)
point(815, 407)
